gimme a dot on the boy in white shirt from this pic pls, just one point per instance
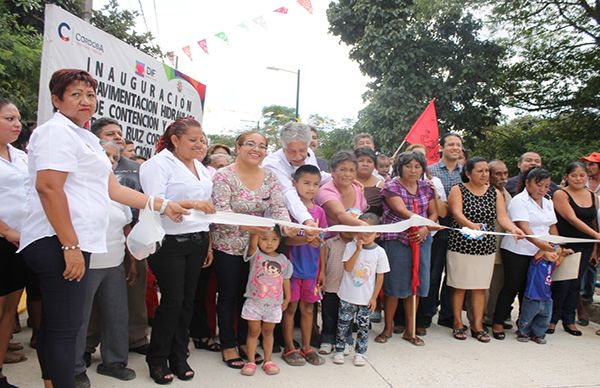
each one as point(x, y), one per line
point(365, 262)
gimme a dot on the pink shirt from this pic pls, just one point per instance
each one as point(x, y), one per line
point(328, 192)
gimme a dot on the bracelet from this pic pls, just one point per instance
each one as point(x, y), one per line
point(163, 207)
point(69, 248)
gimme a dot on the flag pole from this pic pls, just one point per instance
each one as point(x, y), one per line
point(398, 149)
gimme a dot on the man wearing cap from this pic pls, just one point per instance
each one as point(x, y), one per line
point(592, 163)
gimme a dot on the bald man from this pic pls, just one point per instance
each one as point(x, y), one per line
point(526, 162)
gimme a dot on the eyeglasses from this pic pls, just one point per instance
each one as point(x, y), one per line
point(251, 144)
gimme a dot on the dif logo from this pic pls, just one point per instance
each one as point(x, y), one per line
point(64, 31)
point(142, 70)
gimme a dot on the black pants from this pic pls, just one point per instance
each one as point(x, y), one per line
point(176, 265)
point(62, 310)
point(199, 324)
point(565, 293)
point(232, 276)
point(515, 281)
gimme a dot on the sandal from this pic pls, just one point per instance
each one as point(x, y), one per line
point(234, 363)
point(14, 357)
point(312, 357)
point(414, 340)
point(382, 338)
point(460, 334)
point(160, 374)
point(207, 344)
point(270, 368)
point(481, 336)
point(248, 369)
point(398, 329)
point(182, 370)
point(498, 335)
point(293, 358)
point(258, 358)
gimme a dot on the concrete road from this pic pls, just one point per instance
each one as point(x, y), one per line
point(565, 361)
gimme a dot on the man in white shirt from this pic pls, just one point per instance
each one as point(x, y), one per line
point(295, 139)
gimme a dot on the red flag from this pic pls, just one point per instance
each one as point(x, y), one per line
point(414, 246)
point(188, 51)
point(282, 10)
point(202, 43)
point(306, 4)
point(425, 131)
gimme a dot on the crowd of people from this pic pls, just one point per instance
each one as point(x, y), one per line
point(72, 196)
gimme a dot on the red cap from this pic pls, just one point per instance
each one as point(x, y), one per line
point(594, 157)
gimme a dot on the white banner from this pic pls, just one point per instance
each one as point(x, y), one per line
point(142, 93)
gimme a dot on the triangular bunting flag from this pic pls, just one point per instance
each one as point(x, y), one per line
point(260, 21)
point(171, 57)
point(188, 51)
point(203, 45)
point(223, 37)
point(282, 10)
point(244, 26)
point(306, 4)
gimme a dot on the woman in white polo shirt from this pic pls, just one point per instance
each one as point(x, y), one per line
point(531, 211)
point(15, 182)
point(176, 174)
point(67, 212)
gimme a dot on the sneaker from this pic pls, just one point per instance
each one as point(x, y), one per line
point(325, 348)
point(338, 358)
point(539, 340)
point(522, 337)
point(359, 360)
point(82, 381)
point(116, 370)
point(347, 350)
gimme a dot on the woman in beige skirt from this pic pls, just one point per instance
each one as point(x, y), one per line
point(474, 204)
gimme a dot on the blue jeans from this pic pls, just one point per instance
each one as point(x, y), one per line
point(345, 318)
point(428, 306)
point(588, 282)
point(535, 317)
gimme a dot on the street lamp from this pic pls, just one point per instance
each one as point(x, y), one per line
point(297, 72)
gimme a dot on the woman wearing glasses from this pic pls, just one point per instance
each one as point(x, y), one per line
point(242, 187)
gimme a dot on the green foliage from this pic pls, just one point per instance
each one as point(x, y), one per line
point(558, 140)
point(228, 140)
point(414, 51)
point(554, 51)
point(335, 139)
point(20, 53)
point(273, 118)
point(21, 32)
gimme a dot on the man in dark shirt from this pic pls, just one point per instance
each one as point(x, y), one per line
point(127, 173)
point(527, 161)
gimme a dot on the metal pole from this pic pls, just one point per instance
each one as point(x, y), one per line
point(87, 10)
point(298, 96)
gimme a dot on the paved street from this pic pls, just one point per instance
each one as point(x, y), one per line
point(566, 361)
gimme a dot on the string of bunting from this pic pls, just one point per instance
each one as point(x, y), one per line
point(222, 35)
point(237, 219)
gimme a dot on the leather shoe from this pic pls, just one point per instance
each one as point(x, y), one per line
point(140, 349)
point(116, 370)
point(575, 332)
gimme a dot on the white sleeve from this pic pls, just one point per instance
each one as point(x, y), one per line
point(349, 251)
point(517, 210)
point(153, 178)
point(54, 148)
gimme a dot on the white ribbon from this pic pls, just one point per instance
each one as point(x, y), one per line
point(237, 219)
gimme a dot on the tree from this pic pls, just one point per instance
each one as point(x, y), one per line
point(414, 51)
point(273, 118)
point(554, 48)
point(21, 30)
point(337, 138)
point(558, 140)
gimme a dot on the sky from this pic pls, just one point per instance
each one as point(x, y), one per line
point(238, 82)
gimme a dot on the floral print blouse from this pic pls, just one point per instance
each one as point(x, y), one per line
point(230, 195)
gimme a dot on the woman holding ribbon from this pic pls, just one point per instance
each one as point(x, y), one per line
point(577, 211)
point(242, 187)
point(533, 213)
point(474, 204)
point(67, 211)
point(176, 174)
point(405, 195)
